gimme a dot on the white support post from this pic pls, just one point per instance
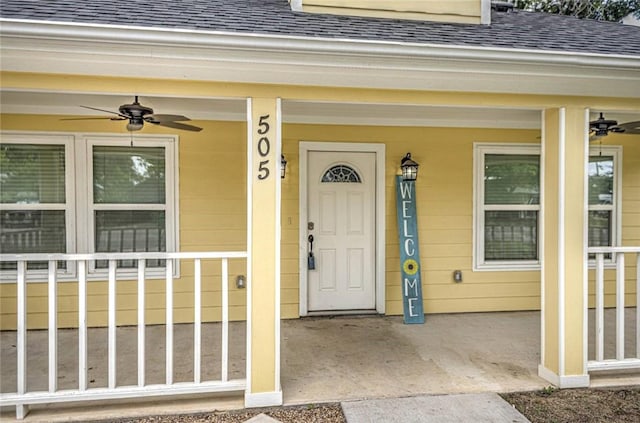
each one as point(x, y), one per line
point(169, 323)
point(21, 409)
point(112, 324)
point(82, 325)
point(599, 307)
point(141, 323)
point(197, 320)
point(53, 327)
point(225, 320)
point(620, 306)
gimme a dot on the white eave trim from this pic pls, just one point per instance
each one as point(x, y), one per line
point(166, 53)
point(193, 38)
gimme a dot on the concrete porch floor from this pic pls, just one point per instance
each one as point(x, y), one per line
point(323, 359)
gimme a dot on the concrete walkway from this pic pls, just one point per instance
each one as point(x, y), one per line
point(464, 408)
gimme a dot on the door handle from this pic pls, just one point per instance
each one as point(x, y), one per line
point(311, 260)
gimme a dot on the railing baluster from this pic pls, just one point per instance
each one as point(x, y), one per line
point(22, 410)
point(112, 323)
point(620, 306)
point(83, 391)
point(225, 320)
point(197, 320)
point(141, 323)
point(599, 341)
point(53, 327)
point(169, 322)
point(82, 325)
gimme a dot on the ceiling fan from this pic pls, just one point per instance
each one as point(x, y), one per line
point(137, 115)
point(601, 127)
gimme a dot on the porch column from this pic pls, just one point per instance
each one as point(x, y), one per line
point(263, 246)
point(564, 265)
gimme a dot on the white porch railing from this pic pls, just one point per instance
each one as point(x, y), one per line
point(621, 361)
point(22, 398)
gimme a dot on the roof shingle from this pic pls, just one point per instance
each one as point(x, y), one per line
point(518, 29)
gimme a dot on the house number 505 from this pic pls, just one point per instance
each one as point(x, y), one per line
point(264, 146)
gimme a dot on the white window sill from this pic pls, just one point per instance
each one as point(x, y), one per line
point(503, 266)
point(71, 275)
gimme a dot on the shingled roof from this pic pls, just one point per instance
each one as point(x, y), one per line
point(516, 29)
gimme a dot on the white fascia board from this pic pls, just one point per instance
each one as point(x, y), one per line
point(109, 50)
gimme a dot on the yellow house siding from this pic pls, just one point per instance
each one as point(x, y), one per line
point(212, 217)
point(445, 216)
point(630, 220)
point(212, 195)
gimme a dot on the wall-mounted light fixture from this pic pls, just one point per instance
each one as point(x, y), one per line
point(457, 276)
point(241, 282)
point(409, 168)
point(283, 166)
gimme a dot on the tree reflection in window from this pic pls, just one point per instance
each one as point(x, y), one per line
point(341, 173)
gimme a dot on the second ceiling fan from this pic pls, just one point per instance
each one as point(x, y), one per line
point(602, 127)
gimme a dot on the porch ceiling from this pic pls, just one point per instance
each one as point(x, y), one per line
point(234, 109)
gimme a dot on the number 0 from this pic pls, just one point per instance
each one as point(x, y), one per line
point(264, 146)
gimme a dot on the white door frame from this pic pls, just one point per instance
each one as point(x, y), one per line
point(379, 150)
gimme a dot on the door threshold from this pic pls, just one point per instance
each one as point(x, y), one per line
point(341, 313)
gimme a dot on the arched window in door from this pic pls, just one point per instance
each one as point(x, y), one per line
point(341, 173)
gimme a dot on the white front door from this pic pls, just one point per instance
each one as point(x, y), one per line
point(341, 214)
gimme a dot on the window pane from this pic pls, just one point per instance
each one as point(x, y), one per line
point(511, 235)
point(32, 174)
point(511, 179)
point(128, 175)
point(32, 231)
point(601, 180)
point(130, 231)
point(599, 228)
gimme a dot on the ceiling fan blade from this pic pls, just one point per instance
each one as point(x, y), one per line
point(177, 125)
point(106, 111)
point(165, 118)
point(630, 127)
point(96, 118)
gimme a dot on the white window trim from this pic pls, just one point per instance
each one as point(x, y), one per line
point(69, 206)
point(78, 187)
point(479, 152)
point(480, 149)
point(616, 205)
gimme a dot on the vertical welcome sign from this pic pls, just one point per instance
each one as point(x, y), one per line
point(409, 251)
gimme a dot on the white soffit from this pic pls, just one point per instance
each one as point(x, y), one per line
point(69, 104)
point(409, 115)
point(294, 111)
point(330, 113)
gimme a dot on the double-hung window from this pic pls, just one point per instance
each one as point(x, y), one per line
point(507, 206)
point(604, 188)
point(36, 197)
point(86, 194)
point(507, 203)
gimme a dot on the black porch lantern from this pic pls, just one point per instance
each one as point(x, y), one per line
point(283, 166)
point(409, 168)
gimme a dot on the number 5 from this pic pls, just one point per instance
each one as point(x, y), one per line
point(265, 125)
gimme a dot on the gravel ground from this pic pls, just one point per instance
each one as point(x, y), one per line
point(620, 405)
point(324, 413)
